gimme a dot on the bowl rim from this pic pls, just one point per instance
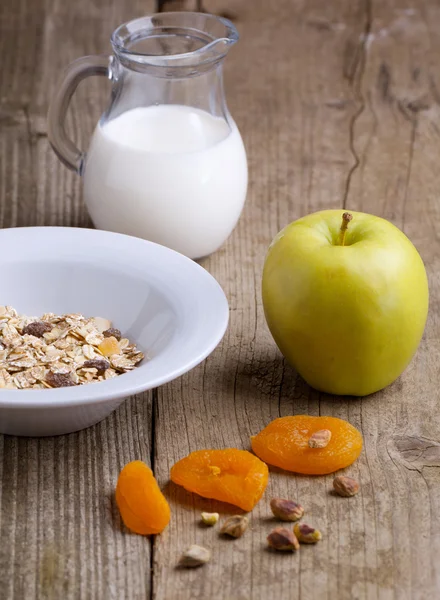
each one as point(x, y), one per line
point(127, 384)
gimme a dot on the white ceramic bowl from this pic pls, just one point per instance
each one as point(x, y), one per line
point(171, 307)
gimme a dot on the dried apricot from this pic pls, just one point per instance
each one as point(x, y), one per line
point(285, 443)
point(109, 346)
point(142, 505)
point(229, 475)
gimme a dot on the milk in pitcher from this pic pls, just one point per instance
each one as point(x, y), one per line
point(172, 174)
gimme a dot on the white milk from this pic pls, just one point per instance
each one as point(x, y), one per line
point(171, 174)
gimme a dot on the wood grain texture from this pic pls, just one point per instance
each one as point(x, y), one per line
point(310, 87)
point(60, 530)
point(339, 105)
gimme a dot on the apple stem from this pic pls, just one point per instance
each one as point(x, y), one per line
point(346, 218)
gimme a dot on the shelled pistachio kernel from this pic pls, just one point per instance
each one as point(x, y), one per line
point(210, 518)
point(195, 556)
point(307, 534)
point(286, 510)
point(235, 526)
point(320, 439)
point(283, 539)
point(345, 486)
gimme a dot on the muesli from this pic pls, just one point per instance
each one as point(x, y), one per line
point(61, 350)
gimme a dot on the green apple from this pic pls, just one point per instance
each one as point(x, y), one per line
point(346, 299)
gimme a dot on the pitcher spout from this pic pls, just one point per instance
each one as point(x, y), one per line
point(178, 43)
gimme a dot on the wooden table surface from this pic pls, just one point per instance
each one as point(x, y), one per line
point(339, 105)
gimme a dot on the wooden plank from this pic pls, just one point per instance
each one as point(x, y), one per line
point(60, 529)
point(287, 90)
point(310, 85)
point(397, 141)
point(50, 34)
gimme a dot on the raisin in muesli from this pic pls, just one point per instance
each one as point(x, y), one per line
point(37, 328)
point(100, 365)
point(112, 332)
point(57, 380)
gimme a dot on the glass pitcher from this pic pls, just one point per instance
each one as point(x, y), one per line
point(166, 162)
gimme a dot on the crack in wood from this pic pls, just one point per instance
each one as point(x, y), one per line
point(154, 418)
point(410, 108)
point(355, 77)
point(410, 161)
point(384, 82)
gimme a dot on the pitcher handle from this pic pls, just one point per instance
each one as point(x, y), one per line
point(63, 146)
